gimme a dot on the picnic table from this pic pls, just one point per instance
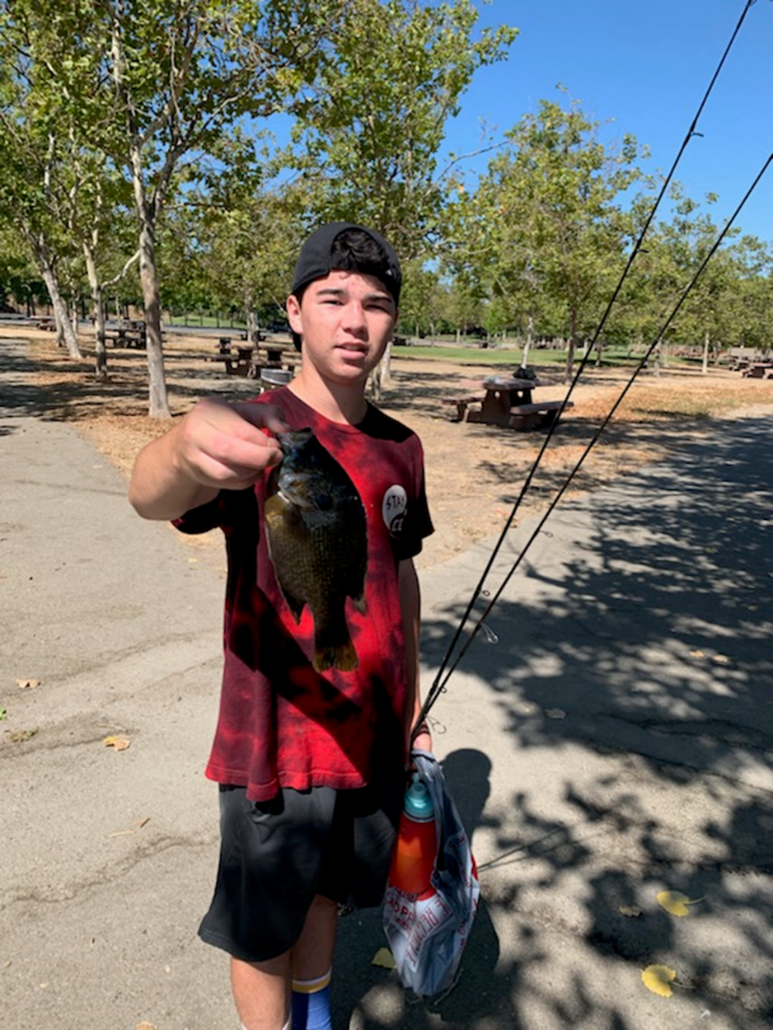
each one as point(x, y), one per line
point(129, 333)
point(237, 361)
point(251, 360)
point(758, 370)
point(507, 401)
point(276, 353)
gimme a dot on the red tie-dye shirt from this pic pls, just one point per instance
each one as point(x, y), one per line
point(281, 724)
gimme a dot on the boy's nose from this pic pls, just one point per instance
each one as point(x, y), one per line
point(354, 316)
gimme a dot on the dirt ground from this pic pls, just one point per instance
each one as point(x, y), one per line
point(475, 473)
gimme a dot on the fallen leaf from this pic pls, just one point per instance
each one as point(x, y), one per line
point(383, 959)
point(146, 1026)
point(138, 824)
point(697, 654)
point(631, 911)
point(19, 736)
point(118, 743)
point(27, 684)
point(658, 979)
point(3, 713)
point(675, 902)
point(721, 658)
point(555, 713)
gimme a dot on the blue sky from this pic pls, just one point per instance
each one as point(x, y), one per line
point(646, 66)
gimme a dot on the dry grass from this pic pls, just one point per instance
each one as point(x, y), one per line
point(474, 472)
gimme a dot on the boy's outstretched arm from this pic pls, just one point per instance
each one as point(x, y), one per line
point(217, 446)
point(410, 605)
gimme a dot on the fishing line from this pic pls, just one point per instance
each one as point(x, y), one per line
point(692, 132)
point(438, 687)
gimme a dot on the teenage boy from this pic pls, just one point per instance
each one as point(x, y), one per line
point(311, 765)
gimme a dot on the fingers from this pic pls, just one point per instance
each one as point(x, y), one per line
point(268, 416)
point(226, 446)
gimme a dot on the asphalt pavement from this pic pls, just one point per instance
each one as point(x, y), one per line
point(608, 736)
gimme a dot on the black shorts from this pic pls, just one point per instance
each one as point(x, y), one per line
point(276, 856)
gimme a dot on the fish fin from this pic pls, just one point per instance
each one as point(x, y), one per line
point(295, 606)
point(333, 649)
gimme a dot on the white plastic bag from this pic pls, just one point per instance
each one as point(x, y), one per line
point(427, 937)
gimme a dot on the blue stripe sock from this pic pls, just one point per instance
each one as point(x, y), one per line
point(311, 1004)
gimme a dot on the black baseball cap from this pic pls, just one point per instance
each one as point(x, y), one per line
point(315, 257)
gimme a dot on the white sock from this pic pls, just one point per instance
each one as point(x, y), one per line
point(288, 1025)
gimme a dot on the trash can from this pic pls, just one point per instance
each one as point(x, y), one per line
point(270, 378)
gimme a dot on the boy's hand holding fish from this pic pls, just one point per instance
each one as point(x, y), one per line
point(217, 446)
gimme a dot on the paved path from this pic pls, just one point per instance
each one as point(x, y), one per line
point(616, 741)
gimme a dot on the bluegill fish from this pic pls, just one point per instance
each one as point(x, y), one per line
point(317, 541)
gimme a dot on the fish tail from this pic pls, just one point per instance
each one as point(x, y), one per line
point(333, 649)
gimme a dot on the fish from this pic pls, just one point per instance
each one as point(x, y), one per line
point(317, 540)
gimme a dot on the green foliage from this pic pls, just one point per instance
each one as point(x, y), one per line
point(727, 305)
point(543, 235)
point(368, 138)
point(140, 121)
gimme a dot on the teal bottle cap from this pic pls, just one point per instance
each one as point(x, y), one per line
point(418, 803)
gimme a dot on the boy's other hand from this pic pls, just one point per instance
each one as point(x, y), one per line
point(224, 446)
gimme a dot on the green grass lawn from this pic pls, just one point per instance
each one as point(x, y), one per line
point(462, 355)
point(511, 357)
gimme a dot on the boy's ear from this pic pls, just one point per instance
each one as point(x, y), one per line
point(294, 314)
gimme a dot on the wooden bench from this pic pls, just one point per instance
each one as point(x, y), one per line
point(461, 404)
point(540, 414)
point(132, 334)
point(759, 370)
point(520, 416)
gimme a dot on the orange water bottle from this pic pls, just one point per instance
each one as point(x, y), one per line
point(416, 850)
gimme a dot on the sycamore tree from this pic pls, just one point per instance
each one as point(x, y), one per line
point(423, 300)
point(368, 138)
point(180, 77)
point(33, 172)
point(59, 180)
point(20, 281)
point(544, 232)
point(715, 313)
point(153, 86)
point(241, 229)
point(370, 134)
point(755, 294)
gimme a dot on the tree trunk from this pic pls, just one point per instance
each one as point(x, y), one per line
point(64, 329)
point(251, 318)
point(147, 213)
point(98, 300)
point(158, 398)
point(528, 343)
point(381, 375)
point(706, 343)
point(571, 345)
point(657, 357)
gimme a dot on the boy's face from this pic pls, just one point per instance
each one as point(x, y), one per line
point(345, 321)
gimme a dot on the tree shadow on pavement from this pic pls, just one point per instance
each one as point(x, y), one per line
point(633, 681)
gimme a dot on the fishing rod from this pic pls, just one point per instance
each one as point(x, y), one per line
point(437, 687)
